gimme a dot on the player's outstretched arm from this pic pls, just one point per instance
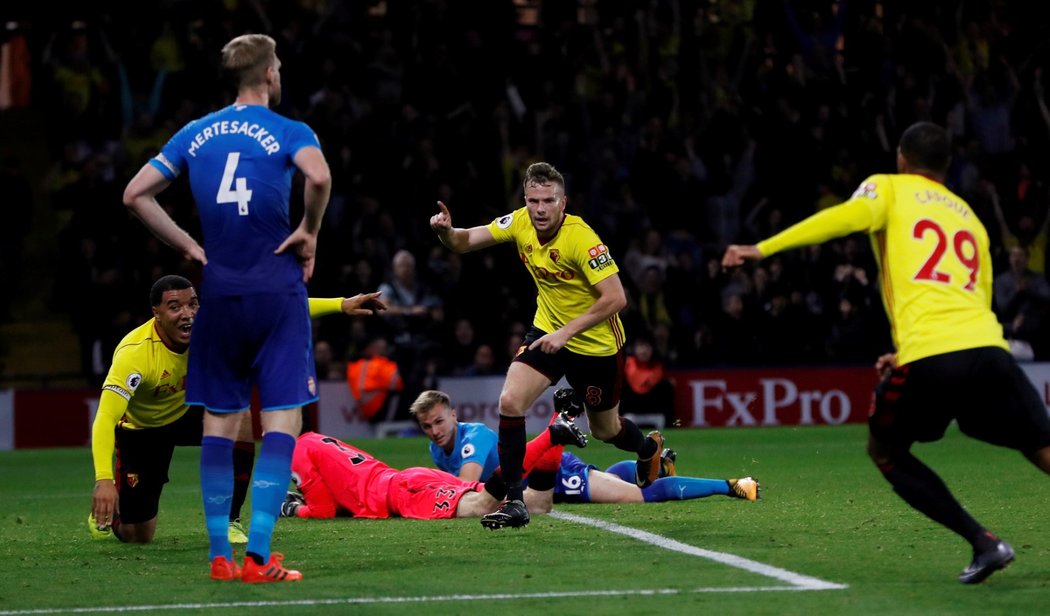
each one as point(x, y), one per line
point(737, 255)
point(459, 240)
point(363, 304)
point(140, 196)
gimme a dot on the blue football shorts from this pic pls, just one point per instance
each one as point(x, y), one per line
point(571, 484)
point(245, 340)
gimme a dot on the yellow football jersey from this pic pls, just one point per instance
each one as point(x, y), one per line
point(150, 376)
point(565, 270)
point(935, 267)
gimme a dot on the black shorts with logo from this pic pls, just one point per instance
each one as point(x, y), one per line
point(597, 379)
point(983, 389)
point(143, 458)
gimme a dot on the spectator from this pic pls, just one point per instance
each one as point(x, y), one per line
point(374, 382)
point(648, 390)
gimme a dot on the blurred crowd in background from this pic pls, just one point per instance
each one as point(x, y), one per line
point(680, 127)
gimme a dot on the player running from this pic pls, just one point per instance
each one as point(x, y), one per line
point(952, 362)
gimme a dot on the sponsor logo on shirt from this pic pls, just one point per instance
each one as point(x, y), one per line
point(311, 386)
point(165, 374)
point(599, 257)
point(555, 255)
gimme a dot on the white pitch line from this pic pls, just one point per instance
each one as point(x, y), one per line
point(797, 580)
point(379, 600)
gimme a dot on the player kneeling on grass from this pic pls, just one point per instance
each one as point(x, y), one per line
point(142, 415)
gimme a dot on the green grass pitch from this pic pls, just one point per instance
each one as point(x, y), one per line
point(826, 514)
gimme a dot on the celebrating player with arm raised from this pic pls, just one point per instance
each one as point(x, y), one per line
point(952, 361)
point(575, 333)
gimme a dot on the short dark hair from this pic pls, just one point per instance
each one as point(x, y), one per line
point(543, 173)
point(926, 146)
point(171, 282)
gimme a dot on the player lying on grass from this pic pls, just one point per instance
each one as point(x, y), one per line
point(468, 450)
point(338, 479)
point(142, 415)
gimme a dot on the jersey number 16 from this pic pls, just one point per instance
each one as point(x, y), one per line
point(227, 194)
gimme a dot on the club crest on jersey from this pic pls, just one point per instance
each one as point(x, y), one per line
point(555, 255)
point(133, 480)
point(467, 451)
point(528, 249)
point(133, 381)
point(504, 221)
point(867, 189)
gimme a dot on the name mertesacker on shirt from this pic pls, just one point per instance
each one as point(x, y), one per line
point(235, 127)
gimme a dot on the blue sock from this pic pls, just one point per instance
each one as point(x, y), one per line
point(273, 471)
point(683, 488)
point(624, 470)
point(217, 492)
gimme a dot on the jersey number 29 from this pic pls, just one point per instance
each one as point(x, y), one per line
point(967, 256)
point(227, 193)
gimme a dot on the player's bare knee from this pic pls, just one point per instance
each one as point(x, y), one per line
point(510, 406)
point(605, 425)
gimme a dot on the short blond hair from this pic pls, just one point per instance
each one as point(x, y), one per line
point(247, 57)
point(427, 401)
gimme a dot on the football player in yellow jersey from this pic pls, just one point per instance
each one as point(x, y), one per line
point(576, 332)
point(952, 361)
point(142, 414)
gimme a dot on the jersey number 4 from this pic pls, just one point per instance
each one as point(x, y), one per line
point(965, 248)
point(227, 193)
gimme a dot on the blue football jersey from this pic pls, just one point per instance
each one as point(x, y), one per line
point(475, 442)
point(240, 165)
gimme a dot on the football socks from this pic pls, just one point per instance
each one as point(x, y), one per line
point(512, 453)
point(243, 460)
point(921, 488)
point(682, 488)
point(217, 492)
point(269, 487)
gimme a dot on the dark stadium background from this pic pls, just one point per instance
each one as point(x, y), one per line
point(680, 127)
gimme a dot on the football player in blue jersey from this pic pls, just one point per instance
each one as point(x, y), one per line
point(253, 327)
point(468, 450)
